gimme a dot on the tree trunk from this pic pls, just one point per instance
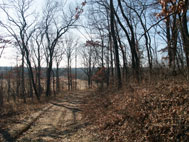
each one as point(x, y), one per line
point(69, 75)
point(131, 40)
point(57, 79)
point(9, 87)
point(174, 44)
point(31, 88)
point(168, 41)
point(18, 81)
point(115, 44)
point(185, 36)
point(76, 70)
point(71, 85)
point(31, 73)
point(111, 56)
point(39, 72)
point(54, 90)
point(23, 79)
point(1, 95)
point(48, 82)
point(125, 71)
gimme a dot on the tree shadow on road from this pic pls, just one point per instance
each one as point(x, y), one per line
point(6, 136)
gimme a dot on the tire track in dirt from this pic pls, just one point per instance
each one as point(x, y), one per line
point(61, 123)
point(18, 129)
point(45, 128)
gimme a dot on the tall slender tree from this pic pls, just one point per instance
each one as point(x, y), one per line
point(21, 26)
point(113, 33)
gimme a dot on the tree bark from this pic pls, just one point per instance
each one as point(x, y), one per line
point(117, 64)
point(23, 79)
point(57, 78)
point(48, 82)
point(185, 34)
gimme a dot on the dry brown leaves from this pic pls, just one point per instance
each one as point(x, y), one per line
point(158, 112)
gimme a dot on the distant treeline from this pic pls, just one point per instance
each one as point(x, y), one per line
point(62, 71)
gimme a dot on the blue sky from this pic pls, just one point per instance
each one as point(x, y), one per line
point(10, 54)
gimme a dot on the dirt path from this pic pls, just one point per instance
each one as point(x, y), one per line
point(61, 123)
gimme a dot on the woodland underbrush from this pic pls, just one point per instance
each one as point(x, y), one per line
point(157, 111)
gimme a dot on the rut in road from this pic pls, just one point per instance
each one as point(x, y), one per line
point(59, 123)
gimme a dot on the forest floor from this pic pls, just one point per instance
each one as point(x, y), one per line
point(154, 111)
point(157, 111)
point(59, 120)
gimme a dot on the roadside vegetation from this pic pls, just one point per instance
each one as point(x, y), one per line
point(156, 111)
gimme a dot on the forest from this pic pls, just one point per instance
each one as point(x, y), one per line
point(94, 70)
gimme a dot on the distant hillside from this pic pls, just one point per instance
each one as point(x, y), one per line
point(62, 71)
point(5, 69)
point(79, 71)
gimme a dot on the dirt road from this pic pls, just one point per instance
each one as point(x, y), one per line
point(60, 123)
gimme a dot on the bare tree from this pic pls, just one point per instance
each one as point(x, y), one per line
point(70, 44)
point(99, 24)
point(140, 9)
point(59, 54)
point(55, 24)
point(113, 33)
point(89, 60)
point(21, 26)
point(38, 52)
